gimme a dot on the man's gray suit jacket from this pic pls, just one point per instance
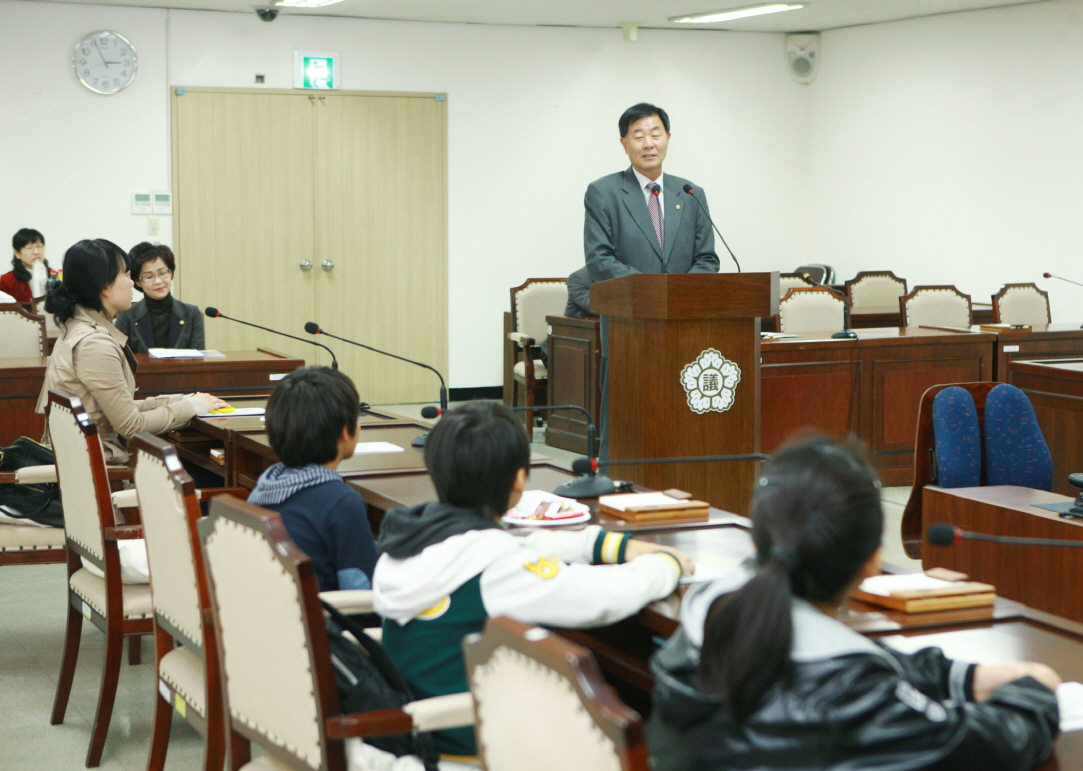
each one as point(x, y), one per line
point(619, 238)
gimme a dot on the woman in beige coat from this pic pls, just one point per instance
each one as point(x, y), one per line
point(91, 359)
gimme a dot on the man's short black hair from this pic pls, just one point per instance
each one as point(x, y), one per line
point(640, 111)
point(26, 236)
point(306, 414)
point(474, 454)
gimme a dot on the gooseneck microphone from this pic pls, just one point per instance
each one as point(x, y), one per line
point(1061, 278)
point(589, 484)
point(214, 313)
point(845, 332)
point(943, 534)
point(314, 329)
point(692, 193)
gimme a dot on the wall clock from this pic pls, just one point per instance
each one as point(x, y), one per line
point(105, 62)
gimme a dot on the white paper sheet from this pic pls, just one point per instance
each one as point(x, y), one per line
point(902, 582)
point(176, 353)
point(622, 501)
point(1070, 701)
point(238, 412)
point(374, 448)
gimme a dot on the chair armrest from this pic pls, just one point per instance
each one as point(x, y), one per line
point(36, 475)
point(206, 493)
point(126, 499)
point(123, 532)
point(522, 339)
point(380, 722)
point(440, 712)
point(350, 600)
point(119, 473)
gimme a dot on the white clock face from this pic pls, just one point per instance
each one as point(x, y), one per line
point(105, 62)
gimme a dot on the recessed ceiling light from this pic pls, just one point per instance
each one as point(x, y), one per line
point(736, 13)
point(305, 3)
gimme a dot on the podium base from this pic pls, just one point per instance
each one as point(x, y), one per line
point(587, 486)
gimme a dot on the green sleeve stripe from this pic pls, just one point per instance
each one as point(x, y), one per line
point(623, 547)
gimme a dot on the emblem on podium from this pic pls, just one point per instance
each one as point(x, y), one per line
point(710, 382)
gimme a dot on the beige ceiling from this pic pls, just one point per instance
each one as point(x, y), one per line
point(818, 15)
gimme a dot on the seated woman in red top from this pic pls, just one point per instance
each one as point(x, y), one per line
point(20, 282)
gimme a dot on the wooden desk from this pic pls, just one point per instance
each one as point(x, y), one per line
point(1055, 389)
point(575, 360)
point(872, 316)
point(1044, 341)
point(1043, 577)
point(870, 386)
point(238, 373)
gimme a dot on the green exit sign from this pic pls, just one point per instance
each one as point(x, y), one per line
point(316, 70)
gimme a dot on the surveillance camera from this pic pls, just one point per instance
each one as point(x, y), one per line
point(267, 14)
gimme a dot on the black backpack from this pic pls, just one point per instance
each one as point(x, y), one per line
point(368, 680)
point(40, 503)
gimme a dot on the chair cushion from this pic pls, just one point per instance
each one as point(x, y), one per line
point(30, 537)
point(1015, 449)
point(1023, 305)
point(91, 589)
point(184, 672)
point(937, 307)
point(958, 440)
point(540, 372)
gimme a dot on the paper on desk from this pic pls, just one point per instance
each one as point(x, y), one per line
point(374, 448)
point(901, 582)
point(775, 335)
point(213, 354)
point(622, 501)
point(176, 353)
point(1070, 702)
point(703, 574)
point(238, 412)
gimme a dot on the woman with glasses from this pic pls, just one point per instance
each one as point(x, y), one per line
point(159, 320)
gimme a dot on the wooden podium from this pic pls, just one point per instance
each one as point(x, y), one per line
point(684, 359)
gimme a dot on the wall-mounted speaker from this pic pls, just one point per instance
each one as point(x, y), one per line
point(803, 56)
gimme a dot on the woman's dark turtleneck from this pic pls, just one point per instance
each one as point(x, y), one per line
point(160, 312)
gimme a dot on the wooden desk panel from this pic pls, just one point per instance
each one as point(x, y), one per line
point(20, 385)
point(1044, 341)
point(1043, 577)
point(1055, 389)
point(237, 373)
point(575, 359)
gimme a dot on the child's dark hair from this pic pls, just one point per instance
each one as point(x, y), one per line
point(474, 454)
point(90, 266)
point(816, 520)
point(145, 252)
point(306, 414)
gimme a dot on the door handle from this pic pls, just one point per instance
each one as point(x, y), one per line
point(306, 265)
point(327, 265)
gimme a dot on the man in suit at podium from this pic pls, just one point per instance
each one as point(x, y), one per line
point(641, 221)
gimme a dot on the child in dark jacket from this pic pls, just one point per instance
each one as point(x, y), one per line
point(312, 424)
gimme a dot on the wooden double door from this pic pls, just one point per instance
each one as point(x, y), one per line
point(293, 206)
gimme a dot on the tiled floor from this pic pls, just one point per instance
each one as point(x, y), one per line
point(31, 636)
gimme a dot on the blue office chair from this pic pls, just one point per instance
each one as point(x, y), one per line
point(1015, 449)
point(957, 439)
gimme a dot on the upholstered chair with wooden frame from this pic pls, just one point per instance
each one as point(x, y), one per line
point(875, 289)
point(531, 302)
point(810, 309)
point(91, 536)
point(276, 664)
point(542, 703)
point(936, 306)
point(1021, 304)
point(29, 544)
point(23, 332)
point(185, 650)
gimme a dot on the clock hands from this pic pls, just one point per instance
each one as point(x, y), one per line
point(102, 55)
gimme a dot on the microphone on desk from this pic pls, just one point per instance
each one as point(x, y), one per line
point(1061, 278)
point(845, 332)
point(943, 534)
point(214, 313)
point(589, 484)
point(314, 329)
point(690, 191)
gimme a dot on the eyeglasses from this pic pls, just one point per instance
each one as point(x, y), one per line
point(163, 273)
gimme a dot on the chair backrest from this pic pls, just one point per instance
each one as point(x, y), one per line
point(80, 470)
point(936, 306)
point(957, 438)
point(818, 271)
point(535, 299)
point(167, 502)
point(270, 629)
point(23, 332)
point(1016, 452)
point(542, 703)
point(873, 288)
point(788, 281)
point(1021, 304)
point(37, 305)
point(810, 309)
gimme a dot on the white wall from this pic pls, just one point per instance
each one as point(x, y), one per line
point(532, 119)
point(948, 149)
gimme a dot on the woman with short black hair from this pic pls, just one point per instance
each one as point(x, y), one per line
point(90, 358)
point(159, 320)
point(761, 673)
point(28, 258)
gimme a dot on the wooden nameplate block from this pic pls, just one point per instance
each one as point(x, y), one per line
point(653, 507)
point(937, 589)
point(1007, 329)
